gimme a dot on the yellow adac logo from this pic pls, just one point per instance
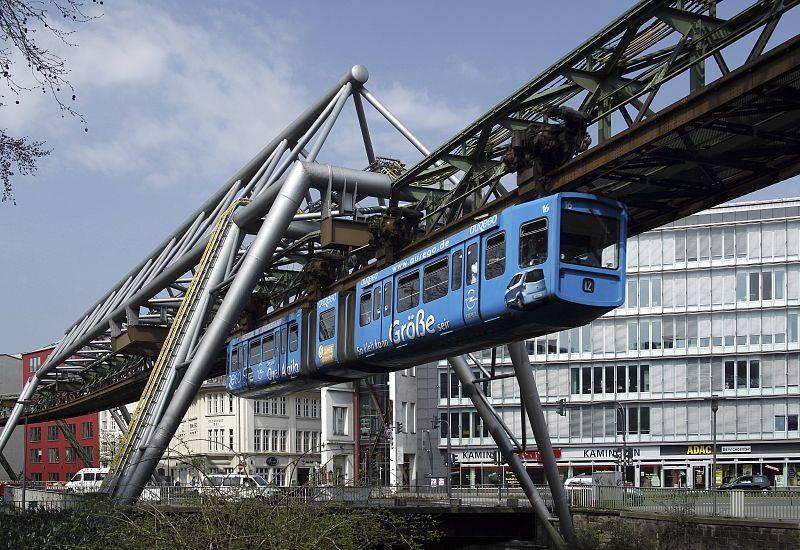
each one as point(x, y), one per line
point(698, 450)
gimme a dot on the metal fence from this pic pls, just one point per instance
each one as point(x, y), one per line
point(782, 505)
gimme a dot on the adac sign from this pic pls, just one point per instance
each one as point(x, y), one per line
point(698, 450)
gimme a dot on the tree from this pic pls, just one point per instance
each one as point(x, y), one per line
point(25, 28)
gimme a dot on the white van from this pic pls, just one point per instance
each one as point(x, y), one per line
point(87, 480)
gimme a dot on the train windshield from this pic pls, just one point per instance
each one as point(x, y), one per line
point(590, 240)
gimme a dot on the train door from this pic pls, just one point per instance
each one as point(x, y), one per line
point(294, 354)
point(281, 349)
point(326, 345)
point(387, 307)
point(471, 293)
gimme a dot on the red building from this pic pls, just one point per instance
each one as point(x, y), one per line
point(48, 453)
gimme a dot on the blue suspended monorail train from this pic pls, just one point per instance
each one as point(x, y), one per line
point(531, 269)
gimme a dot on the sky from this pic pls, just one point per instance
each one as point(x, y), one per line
point(179, 95)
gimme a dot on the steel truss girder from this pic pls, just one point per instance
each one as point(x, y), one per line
point(650, 44)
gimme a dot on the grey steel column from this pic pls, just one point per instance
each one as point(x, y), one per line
point(467, 378)
point(258, 257)
point(527, 389)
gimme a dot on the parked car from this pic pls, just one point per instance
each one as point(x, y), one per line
point(580, 479)
point(238, 486)
point(525, 289)
point(87, 480)
point(748, 483)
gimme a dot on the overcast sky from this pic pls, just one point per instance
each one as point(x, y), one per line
point(179, 95)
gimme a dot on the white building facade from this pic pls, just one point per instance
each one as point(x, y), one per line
point(712, 309)
point(279, 438)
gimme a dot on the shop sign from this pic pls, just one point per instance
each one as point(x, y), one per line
point(475, 455)
point(608, 453)
point(272, 461)
point(698, 450)
point(536, 455)
point(736, 448)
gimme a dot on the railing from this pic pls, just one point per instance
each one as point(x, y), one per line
point(776, 505)
point(781, 505)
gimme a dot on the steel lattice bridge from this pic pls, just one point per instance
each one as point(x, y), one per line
point(285, 228)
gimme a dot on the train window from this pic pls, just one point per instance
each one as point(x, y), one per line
point(376, 303)
point(327, 324)
point(293, 337)
point(255, 352)
point(495, 256)
point(408, 291)
point(235, 359)
point(269, 347)
point(458, 261)
point(589, 239)
point(472, 264)
point(387, 299)
point(434, 280)
point(533, 243)
point(534, 276)
point(365, 308)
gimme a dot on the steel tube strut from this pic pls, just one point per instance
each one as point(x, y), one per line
point(530, 398)
point(467, 378)
point(280, 214)
point(81, 336)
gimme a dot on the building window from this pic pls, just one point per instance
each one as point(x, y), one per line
point(533, 243)
point(339, 420)
point(36, 456)
point(87, 430)
point(327, 324)
point(495, 256)
point(34, 363)
point(69, 456)
point(52, 455)
point(35, 434)
point(52, 433)
point(408, 291)
point(52, 476)
point(365, 308)
point(411, 419)
point(89, 452)
point(283, 441)
point(434, 281)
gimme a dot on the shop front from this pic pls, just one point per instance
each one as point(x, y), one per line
point(687, 465)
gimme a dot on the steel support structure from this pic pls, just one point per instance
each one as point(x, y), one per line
point(468, 383)
point(533, 405)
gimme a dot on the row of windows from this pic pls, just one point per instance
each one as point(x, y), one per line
point(218, 403)
point(610, 379)
point(265, 407)
point(455, 385)
point(694, 331)
point(216, 440)
point(305, 407)
point(35, 433)
point(735, 418)
point(764, 373)
point(462, 424)
point(768, 240)
point(306, 441)
point(717, 287)
point(436, 275)
point(53, 455)
point(267, 347)
point(608, 421)
point(274, 475)
point(702, 331)
point(269, 440)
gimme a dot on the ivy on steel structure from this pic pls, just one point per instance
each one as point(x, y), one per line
point(284, 226)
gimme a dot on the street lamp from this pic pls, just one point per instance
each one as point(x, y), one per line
point(621, 413)
point(25, 411)
point(714, 409)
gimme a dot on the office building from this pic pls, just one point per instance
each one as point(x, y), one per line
point(711, 311)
